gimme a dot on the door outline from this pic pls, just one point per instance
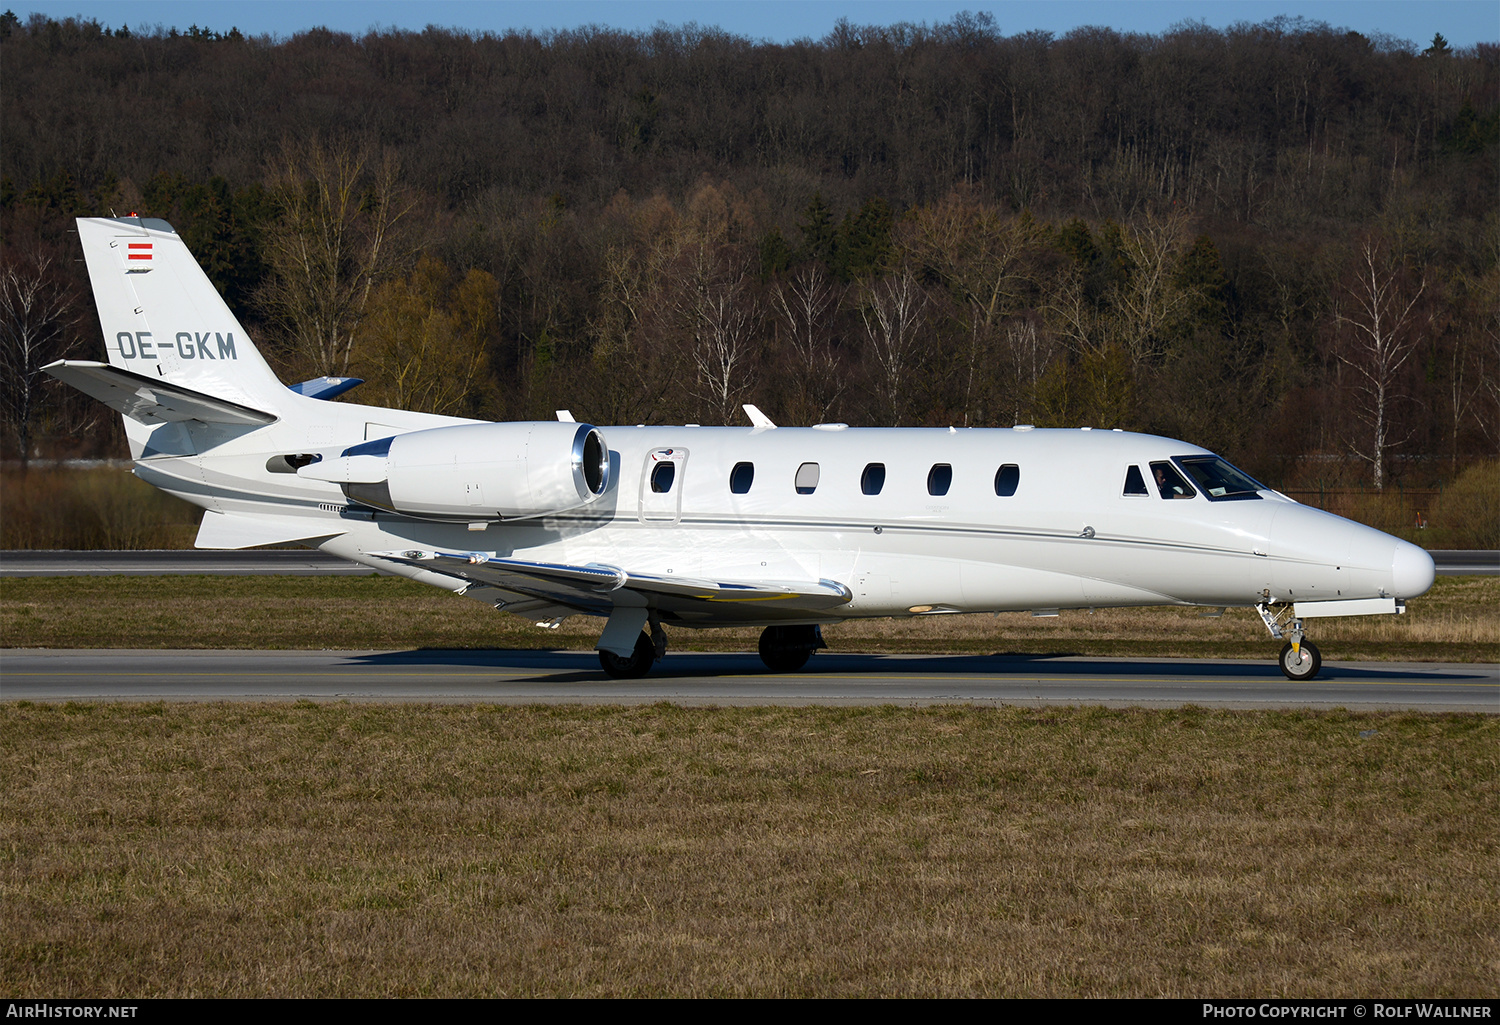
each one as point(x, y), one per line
point(664, 508)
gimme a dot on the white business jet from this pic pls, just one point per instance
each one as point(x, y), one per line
point(692, 527)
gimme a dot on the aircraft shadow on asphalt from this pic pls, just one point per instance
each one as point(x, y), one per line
point(577, 667)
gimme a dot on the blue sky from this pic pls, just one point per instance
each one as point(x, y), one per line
point(1462, 22)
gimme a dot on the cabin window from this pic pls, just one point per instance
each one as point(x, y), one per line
point(1135, 484)
point(1169, 482)
point(1007, 478)
point(873, 479)
point(807, 478)
point(1220, 481)
point(939, 479)
point(662, 476)
point(741, 477)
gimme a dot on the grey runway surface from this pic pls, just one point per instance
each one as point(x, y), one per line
point(527, 677)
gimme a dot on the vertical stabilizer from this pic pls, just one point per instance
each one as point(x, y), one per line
point(162, 318)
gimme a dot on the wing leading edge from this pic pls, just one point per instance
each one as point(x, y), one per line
point(598, 589)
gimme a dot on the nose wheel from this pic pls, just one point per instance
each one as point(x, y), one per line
point(1299, 659)
point(1302, 662)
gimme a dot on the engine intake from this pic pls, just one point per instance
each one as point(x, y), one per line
point(474, 471)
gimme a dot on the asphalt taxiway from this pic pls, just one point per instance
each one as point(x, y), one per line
point(545, 677)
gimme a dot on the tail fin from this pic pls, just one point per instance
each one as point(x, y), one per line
point(164, 320)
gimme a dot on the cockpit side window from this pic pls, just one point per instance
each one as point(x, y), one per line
point(1169, 482)
point(1219, 481)
point(1135, 484)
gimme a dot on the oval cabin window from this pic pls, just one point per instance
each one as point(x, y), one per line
point(741, 477)
point(1007, 478)
point(873, 479)
point(939, 479)
point(807, 478)
point(662, 477)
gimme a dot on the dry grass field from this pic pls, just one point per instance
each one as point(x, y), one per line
point(340, 850)
point(1458, 621)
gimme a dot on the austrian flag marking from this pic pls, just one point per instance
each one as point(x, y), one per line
point(138, 251)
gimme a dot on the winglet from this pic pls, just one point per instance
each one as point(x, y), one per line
point(757, 418)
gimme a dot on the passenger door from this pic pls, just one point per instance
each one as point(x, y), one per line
point(661, 485)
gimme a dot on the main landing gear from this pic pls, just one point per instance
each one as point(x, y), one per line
point(1300, 659)
point(649, 648)
point(632, 667)
point(783, 649)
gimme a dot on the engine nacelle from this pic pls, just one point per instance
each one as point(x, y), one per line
point(474, 471)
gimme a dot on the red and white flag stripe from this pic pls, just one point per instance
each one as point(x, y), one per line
point(138, 250)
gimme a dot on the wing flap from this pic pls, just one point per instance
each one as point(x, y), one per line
point(152, 402)
point(598, 588)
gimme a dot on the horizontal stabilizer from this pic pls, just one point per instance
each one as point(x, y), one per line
point(326, 387)
point(595, 588)
point(226, 530)
point(152, 402)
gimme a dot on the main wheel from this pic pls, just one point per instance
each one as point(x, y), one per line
point(785, 649)
point(634, 667)
point(1301, 665)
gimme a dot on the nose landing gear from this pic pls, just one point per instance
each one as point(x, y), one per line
point(1301, 662)
point(1300, 659)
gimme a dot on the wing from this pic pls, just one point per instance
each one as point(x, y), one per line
point(597, 589)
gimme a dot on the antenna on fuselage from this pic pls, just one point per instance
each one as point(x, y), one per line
point(757, 418)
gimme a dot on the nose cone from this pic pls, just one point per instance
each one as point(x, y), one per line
point(1412, 571)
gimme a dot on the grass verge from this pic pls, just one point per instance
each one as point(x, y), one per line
point(340, 850)
point(1458, 621)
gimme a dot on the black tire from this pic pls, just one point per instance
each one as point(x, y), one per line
point(636, 666)
point(785, 649)
point(1303, 665)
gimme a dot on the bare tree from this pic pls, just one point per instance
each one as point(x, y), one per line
point(1073, 315)
point(425, 339)
point(806, 307)
point(724, 317)
point(1378, 334)
point(891, 310)
point(36, 309)
point(977, 250)
point(1487, 370)
point(1149, 300)
point(1030, 356)
point(631, 376)
point(337, 238)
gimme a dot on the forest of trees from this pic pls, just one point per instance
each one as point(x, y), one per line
point(1280, 240)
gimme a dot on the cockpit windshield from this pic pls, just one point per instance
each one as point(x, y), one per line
point(1218, 480)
